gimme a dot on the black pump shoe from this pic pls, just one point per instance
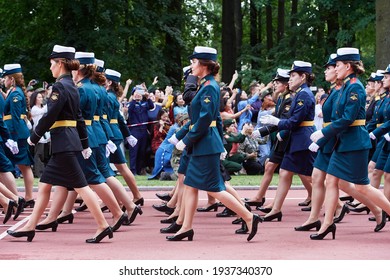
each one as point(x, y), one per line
point(226, 213)
point(139, 201)
point(347, 198)
point(65, 218)
point(181, 236)
point(383, 222)
point(29, 203)
point(320, 236)
point(100, 236)
point(278, 216)
point(172, 228)
point(361, 209)
point(120, 221)
point(243, 229)
point(81, 208)
point(316, 224)
point(263, 209)
point(137, 210)
point(164, 208)
point(255, 223)
point(29, 234)
point(344, 210)
point(10, 209)
point(305, 203)
point(169, 220)
point(20, 208)
point(164, 196)
point(255, 203)
point(212, 207)
point(237, 221)
point(53, 225)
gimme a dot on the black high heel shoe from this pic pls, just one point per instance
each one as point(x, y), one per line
point(10, 209)
point(354, 205)
point(20, 208)
point(29, 234)
point(164, 208)
point(255, 223)
point(139, 201)
point(383, 222)
point(361, 209)
point(226, 213)
point(104, 208)
point(65, 218)
point(255, 203)
point(305, 203)
point(169, 220)
point(164, 196)
point(320, 236)
point(137, 210)
point(81, 208)
point(172, 228)
point(263, 209)
point(347, 198)
point(181, 236)
point(212, 207)
point(237, 221)
point(316, 224)
point(278, 216)
point(53, 225)
point(29, 203)
point(344, 210)
point(100, 236)
point(120, 221)
point(243, 230)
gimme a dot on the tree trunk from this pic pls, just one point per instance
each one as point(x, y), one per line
point(294, 11)
point(228, 41)
point(382, 57)
point(281, 13)
point(238, 29)
point(253, 32)
point(268, 13)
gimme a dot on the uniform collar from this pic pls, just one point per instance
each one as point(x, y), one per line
point(333, 85)
point(347, 79)
point(205, 79)
point(301, 87)
point(62, 76)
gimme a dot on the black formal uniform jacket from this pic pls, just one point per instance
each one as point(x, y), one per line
point(63, 104)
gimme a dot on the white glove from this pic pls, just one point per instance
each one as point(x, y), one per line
point(111, 146)
point(173, 140)
point(107, 151)
point(132, 140)
point(314, 147)
point(317, 135)
point(223, 155)
point(387, 137)
point(28, 123)
point(86, 153)
point(279, 137)
point(29, 142)
point(269, 119)
point(13, 146)
point(180, 145)
point(256, 133)
point(372, 136)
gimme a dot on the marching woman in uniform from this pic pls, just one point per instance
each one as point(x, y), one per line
point(120, 131)
point(204, 140)
point(349, 158)
point(297, 158)
point(321, 162)
point(15, 111)
point(69, 137)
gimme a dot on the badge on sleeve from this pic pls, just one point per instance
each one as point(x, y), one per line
point(353, 96)
point(15, 99)
point(207, 99)
point(287, 108)
point(54, 96)
point(300, 102)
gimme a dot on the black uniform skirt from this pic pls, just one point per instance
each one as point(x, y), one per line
point(300, 162)
point(322, 161)
point(63, 169)
point(204, 173)
point(350, 166)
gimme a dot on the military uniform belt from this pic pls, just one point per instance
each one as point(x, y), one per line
point(378, 124)
point(307, 123)
point(88, 122)
point(114, 121)
point(355, 123)
point(212, 124)
point(96, 118)
point(105, 117)
point(9, 117)
point(64, 123)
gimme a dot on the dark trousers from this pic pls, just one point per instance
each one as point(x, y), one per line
point(138, 152)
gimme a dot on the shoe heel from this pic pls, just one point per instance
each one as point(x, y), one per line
point(71, 219)
point(30, 237)
point(334, 233)
point(110, 235)
point(191, 237)
point(279, 219)
point(54, 228)
point(318, 227)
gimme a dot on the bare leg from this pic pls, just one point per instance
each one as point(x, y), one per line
point(375, 195)
point(69, 204)
point(386, 189)
point(190, 198)
point(270, 168)
point(306, 181)
point(129, 178)
point(8, 179)
point(179, 190)
point(285, 180)
point(60, 195)
point(8, 193)
point(331, 200)
point(121, 194)
point(106, 195)
point(28, 179)
point(233, 192)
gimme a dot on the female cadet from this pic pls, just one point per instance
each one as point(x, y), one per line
point(69, 137)
point(119, 131)
point(205, 140)
point(297, 159)
point(15, 111)
point(349, 159)
point(322, 160)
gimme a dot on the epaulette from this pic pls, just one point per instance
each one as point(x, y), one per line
point(353, 80)
point(207, 83)
point(377, 98)
point(79, 84)
point(287, 96)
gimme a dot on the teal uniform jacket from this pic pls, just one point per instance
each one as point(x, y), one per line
point(88, 104)
point(385, 127)
point(15, 111)
point(205, 136)
point(302, 109)
point(105, 101)
point(96, 124)
point(4, 133)
point(327, 145)
point(119, 129)
point(377, 117)
point(349, 106)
